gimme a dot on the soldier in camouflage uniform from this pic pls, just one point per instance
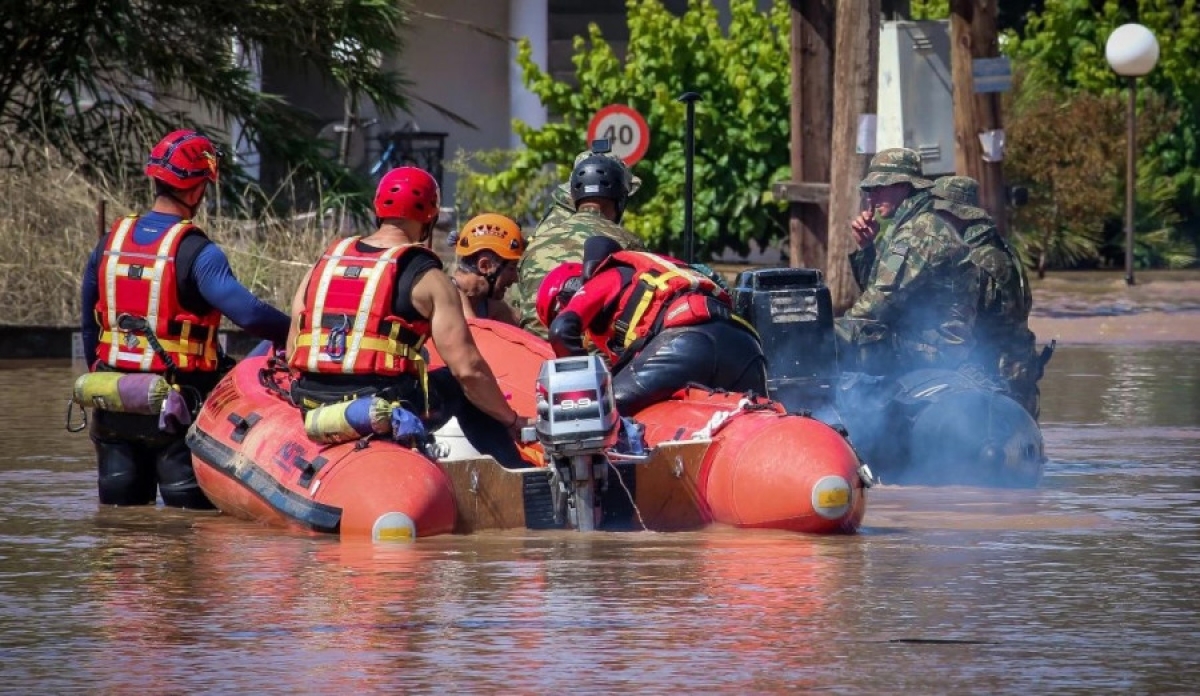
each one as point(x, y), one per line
point(1004, 345)
point(600, 186)
point(917, 309)
point(522, 295)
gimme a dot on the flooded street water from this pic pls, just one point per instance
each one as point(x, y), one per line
point(1084, 585)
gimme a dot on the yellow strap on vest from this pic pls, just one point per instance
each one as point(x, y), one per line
point(390, 346)
point(658, 282)
point(178, 349)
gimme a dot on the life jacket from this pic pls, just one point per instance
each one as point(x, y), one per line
point(662, 295)
point(143, 325)
point(348, 326)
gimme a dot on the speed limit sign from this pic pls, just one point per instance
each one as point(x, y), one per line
point(624, 129)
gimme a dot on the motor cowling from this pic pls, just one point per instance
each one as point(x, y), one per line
point(792, 311)
point(576, 413)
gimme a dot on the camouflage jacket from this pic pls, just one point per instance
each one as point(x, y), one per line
point(561, 208)
point(1004, 344)
point(553, 245)
point(918, 308)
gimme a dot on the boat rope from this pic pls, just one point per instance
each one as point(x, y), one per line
point(720, 418)
point(272, 377)
point(628, 493)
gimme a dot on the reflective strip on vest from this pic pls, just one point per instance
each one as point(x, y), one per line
point(111, 270)
point(162, 258)
point(362, 314)
point(319, 311)
point(364, 311)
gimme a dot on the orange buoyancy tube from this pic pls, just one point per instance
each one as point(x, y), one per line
point(663, 294)
point(348, 326)
point(143, 325)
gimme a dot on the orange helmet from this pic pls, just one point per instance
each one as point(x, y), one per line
point(491, 232)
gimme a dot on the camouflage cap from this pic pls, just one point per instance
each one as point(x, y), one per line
point(632, 183)
point(897, 165)
point(960, 196)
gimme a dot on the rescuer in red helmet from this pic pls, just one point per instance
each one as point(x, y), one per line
point(153, 294)
point(364, 311)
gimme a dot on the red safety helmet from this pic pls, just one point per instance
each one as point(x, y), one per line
point(557, 289)
point(407, 193)
point(184, 159)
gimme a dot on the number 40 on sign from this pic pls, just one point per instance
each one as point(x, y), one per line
point(625, 130)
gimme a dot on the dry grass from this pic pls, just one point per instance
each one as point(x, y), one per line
point(48, 227)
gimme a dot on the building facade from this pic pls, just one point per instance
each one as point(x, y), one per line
point(460, 59)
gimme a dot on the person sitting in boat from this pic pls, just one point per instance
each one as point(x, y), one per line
point(1005, 348)
point(600, 187)
point(362, 314)
point(661, 325)
point(917, 309)
point(153, 294)
point(487, 251)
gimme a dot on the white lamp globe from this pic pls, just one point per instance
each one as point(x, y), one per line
point(1132, 50)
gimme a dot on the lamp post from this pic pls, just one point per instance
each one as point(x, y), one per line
point(1132, 51)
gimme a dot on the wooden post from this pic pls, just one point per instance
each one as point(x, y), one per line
point(973, 35)
point(855, 85)
point(101, 222)
point(811, 127)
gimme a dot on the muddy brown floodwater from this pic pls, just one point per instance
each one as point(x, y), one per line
point(1084, 585)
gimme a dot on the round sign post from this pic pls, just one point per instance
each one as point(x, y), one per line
point(625, 130)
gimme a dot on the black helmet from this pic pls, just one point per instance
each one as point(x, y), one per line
point(599, 177)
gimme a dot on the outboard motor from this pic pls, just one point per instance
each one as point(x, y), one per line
point(577, 422)
point(792, 310)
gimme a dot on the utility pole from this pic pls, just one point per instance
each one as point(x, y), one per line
point(855, 94)
point(811, 130)
point(973, 35)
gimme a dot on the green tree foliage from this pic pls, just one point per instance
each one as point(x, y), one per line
point(479, 189)
point(1063, 47)
point(741, 126)
point(1068, 147)
point(929, 9)
point(98, 80)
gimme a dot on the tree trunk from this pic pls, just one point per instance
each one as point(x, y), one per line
point(811, 126)
point(973, 35)
point(855, 79)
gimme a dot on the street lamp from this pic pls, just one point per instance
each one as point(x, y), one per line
point(1132, 51)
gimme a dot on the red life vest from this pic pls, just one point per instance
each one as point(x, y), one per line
point(139, 306)
point(663, 295)
point(348, 326)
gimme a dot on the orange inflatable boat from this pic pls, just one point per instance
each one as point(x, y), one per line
point(254, 461)
point(712, 458)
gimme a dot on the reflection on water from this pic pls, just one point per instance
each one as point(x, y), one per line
point(1085, 584)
